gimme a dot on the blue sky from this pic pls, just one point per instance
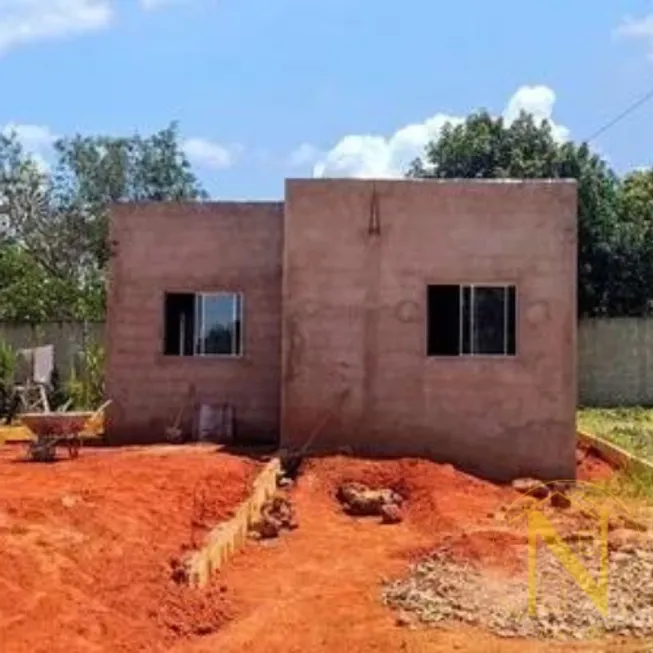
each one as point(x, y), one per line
point(266, 89)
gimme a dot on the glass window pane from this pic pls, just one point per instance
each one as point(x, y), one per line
point(489, 320)
point(217, 334)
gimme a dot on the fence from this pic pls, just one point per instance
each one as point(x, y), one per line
point(615, 362)
point(615, 356)
point(68, 338)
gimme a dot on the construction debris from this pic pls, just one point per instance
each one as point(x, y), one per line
point(361, 501)
point(556, 492)
point(531, 486)
point(443, 590)
point(277, 514)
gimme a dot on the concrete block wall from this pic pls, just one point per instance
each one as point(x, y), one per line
point(67, 338)
point(615, 355)
point(193, 247)
point(616, 362)
point(355, 318)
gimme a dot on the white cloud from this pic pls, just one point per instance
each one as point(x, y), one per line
point(539, 102)
point(23, 21)
point(212, 155)
point(637, 28)
point(374, 156)
point(31, 136)
point(37, 140)
point(377, 156)
point(151, 5)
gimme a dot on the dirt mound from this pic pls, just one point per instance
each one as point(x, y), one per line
point(436, 496)
point(492, 548)
point(86, 546)
point(444, 502)
point(186, 612)
point(215, 497)
point(319, 590)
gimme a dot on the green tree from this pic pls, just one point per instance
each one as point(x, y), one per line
point(54, 247)
point(485, 147)
point(637, 197)
point(632, 288)
point(93, 172)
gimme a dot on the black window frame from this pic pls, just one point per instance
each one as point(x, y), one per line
point(188, 337)
point(464, 321)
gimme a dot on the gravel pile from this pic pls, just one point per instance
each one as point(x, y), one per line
point(441, 590)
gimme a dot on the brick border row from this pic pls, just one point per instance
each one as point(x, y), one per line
point(228, 537)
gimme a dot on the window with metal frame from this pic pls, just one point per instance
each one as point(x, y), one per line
point(471, 320)
point(203, 324)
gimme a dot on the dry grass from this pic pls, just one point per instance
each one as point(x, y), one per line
point(630, 428)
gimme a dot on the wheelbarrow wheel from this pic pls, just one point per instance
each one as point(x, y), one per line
point(73, 447)
point(42, 450)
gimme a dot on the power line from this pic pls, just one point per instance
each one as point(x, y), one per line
point(635, 105)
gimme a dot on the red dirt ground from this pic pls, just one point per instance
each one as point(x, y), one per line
point(85, 546)
point(316, 589)
point(591, 467)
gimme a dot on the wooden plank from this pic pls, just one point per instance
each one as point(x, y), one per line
point(614, 454)
point(15, 433)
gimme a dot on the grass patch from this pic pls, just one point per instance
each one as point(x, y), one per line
point(629, 428)
point(632, 484)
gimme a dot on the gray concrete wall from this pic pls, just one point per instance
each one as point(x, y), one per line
point(615, 361)
point(67, 338)
point(355, 319)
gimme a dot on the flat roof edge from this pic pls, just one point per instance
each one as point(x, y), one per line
point(207, 203)
point(434, 180)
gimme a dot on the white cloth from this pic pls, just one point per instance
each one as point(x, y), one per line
point(40, 361)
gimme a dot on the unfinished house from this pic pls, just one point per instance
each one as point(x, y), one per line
point(403, 317)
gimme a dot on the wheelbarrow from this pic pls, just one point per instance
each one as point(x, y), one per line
point(68, 429)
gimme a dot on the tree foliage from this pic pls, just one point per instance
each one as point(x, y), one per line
point(615, 217)
point(54, 248)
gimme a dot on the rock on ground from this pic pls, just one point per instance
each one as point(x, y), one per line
point(531, 486)
point(277, 514)
point(361, 501)
point(440, 589)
